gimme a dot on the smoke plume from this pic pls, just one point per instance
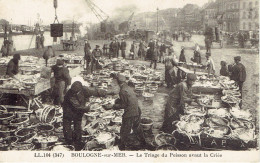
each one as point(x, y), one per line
point(123, 13)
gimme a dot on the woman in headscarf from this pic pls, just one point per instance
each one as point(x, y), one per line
point(224, 69)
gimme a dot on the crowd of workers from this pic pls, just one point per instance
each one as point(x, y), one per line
point(184, 35)
point(73, 100)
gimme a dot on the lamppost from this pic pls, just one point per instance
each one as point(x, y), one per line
point(157, 20)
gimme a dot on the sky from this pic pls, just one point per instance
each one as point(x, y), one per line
point(21, 11)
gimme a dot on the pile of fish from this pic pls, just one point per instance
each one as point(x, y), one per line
point(221, 82)
point(145, 80)
point(222, 120)
point(71, 58)
point(22, 81)
point(103, 124)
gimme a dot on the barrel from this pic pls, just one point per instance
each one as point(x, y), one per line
point(46, 114)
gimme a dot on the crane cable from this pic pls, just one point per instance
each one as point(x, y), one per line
point(55, 4)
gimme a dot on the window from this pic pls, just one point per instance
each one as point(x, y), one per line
point(256, 14)
point(249, 26)
point(244, 14)
point(250, 4)
point(256, 3)
point(244, 26)
point(250, 15)
point(244, 5)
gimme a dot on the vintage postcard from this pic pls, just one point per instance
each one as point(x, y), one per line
point(129, 80)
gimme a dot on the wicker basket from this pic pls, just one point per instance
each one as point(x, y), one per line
point(159, 143)
point(146, 126)
point(23, 146)
point(20, 122)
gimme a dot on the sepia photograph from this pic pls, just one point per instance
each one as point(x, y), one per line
point(129, 75)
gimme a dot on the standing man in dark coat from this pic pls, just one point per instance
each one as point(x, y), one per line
point(123, 48)
point(170, 63)
point(87, 56)
point(141, 50)
point(96, 56)
point(37, 41)
point(13, 65)
point(238, 73)
point(241, 39)
point(182, 58)
point(155, 54)
point(180, 95)
point(117, 48)
point(114, 48)
point(132, 113)
point(42, 40)
point(208, 43)
point(162, 52)
point(62, 81)
point(73, 110)
point(150, 50)
point(110, 53)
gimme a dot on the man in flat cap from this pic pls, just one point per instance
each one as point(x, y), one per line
point(62, 81)
point(132, 113)
point(74, 108)
point(238, 73)
point(179, 95)
point(96, 56)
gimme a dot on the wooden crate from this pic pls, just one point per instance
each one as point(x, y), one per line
point(42, 86)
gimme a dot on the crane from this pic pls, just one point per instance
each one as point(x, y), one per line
point(130, 19)
point(100, 14)
point(106, 28)
point(124, 26)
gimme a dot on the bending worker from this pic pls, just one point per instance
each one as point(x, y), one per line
point(132, 113)
point(62, 81)
point(74, 108)
point(180, 95)
point(13, 65)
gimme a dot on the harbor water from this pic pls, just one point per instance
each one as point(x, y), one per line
point(22, 42)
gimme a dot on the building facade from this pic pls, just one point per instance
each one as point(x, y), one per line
point(235, 15)
point(190, 18)
point(249, 15)
point(231, 15)
point(210, 15)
